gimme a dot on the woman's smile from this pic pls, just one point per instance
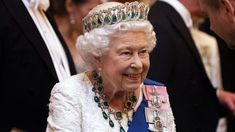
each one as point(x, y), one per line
point(134, 77)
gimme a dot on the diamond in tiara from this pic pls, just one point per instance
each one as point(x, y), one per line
point(130, 11)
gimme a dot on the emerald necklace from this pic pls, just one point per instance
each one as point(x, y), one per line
point(99, 98)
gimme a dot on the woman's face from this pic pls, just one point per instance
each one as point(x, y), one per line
point(125, 49)
point(81, 11)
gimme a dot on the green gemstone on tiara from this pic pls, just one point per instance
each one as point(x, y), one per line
point(114, 18)
point(99, 22)
point(88, 25)
point(123, 16)
point(132, 14)
point(129, 15)
point(93, 23)
point(106, 20)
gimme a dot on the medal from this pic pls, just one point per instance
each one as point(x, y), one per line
point(153, 119)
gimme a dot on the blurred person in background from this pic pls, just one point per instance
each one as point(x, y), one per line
point(221, 14)
point(177, 63)
point(33, 58)
point(227, 57)
point(68, 15)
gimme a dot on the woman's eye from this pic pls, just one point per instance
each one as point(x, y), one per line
point(126, 53)
point(143, 52)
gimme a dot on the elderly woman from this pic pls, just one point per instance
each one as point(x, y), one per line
point(115, 96)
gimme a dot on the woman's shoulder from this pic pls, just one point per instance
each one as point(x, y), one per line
point(152, 82)
point(73, 86)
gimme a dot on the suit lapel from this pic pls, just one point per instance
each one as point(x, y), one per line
point(22, 17)
point(183, 30)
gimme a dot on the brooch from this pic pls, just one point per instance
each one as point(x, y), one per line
point(152, 112)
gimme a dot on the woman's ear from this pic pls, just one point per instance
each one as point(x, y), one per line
point(69, 6)
point(229, 5)
point(97, 62)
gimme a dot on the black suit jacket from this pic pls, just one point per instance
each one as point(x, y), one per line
point(27, 72)
point(227, 57)
point(176, 62)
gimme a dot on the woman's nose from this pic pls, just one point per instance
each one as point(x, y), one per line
point(136, 60)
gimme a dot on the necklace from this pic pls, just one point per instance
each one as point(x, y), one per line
point(99, 98)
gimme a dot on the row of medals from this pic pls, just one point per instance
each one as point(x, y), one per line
point(152, 114)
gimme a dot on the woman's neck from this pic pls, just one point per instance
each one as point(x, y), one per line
point(65, 28)
point(116, 100)
point(119, 100)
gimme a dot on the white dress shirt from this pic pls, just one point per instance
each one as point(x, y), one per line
point(36, 10)
point(209, 52)
point(182, 10)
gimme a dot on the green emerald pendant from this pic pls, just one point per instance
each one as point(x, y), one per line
point(118, 115)
point(129, 123)
point(111, 124)
point(97, 99)
point(105, 115)
point(122, 129)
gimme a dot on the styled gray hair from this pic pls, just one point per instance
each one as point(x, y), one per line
point(95, 43)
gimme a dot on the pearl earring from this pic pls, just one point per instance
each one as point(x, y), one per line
point(72, 19)
point(99, 71)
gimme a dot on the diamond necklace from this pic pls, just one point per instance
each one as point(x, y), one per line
point(99, 98)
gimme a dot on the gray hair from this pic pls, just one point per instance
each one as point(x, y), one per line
point(95, 43)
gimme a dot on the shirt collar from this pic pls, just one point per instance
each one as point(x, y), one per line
point(182, 10)
point(38, 4)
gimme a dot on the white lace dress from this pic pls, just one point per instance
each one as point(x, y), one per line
point(73, 109)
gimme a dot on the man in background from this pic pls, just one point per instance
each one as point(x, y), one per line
point(222, 18)
point(227, 57)
point(33, 58)
point(177, 63)
point(221, 15)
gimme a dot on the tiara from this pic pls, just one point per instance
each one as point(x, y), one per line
point(130, 11)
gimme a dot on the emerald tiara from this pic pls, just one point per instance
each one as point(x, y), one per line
point(130, 11)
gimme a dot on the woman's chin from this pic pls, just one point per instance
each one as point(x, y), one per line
point(132, 88)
